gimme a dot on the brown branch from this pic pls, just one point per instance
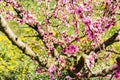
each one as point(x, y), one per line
point(105, 44)
point(34, 26)
point(81, 61)
point(77, 38)
point(80, 64)
point(111, 76)
point(113, 51)
point(17, 42)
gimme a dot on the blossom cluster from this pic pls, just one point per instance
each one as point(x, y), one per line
point(39, 70)
point(91, 59)
point(94, 29)
point(24, 16)
point(28, 18)
point(49, 39)
point(54, 71)
point(10, 15)
point(67, 39)
point(71, 49)
point(12, 2)
point(116, 70)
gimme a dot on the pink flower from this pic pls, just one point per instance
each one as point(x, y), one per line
point(108, 76)
point(80, 11)
point(116, 70)
point(117, 74)
point(91, 59)
point(39, 70)
point(108, 1)
point(13, 2)
point(68, 78)
point(119, 36)
point(78, 74)
point(35, 62)
point(19, 21)
point(51, 69)
point(71, 49)
point(87, 21)
point(89, 8)
point(93, 54)
point(1, 0)
point(72, 68)
point(9, 15)
point(52, 76)
point(62, 60)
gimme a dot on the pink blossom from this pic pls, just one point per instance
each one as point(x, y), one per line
point(119, 36)
point(65, 37)
point(39, 70)
point(52, 76)
point(116, 70)
point(13, 2)
point(87, 21)
point(28, 18)
point(115, 66)
point(35, 62)
point(20, 21)
point(108, 1)
point(62, 60)
point(108, 76)
point(68, 78)
point(51, 69)
point(104, 19)
point(79, 12)
point(78, 74)
point(72, 68)
point(93, 54)
point(91, 59)
point(1, 0)
point(71, 49)
point(9, 15)
point(89, 8)
point(117, 74)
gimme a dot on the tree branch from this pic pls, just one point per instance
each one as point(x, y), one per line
point(113, 51)
point(37, 27)
point(16, 41)
point(105, 44)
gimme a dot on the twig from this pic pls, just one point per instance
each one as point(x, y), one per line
point(111, 76)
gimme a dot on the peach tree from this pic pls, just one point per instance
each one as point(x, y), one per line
point(72, 33)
